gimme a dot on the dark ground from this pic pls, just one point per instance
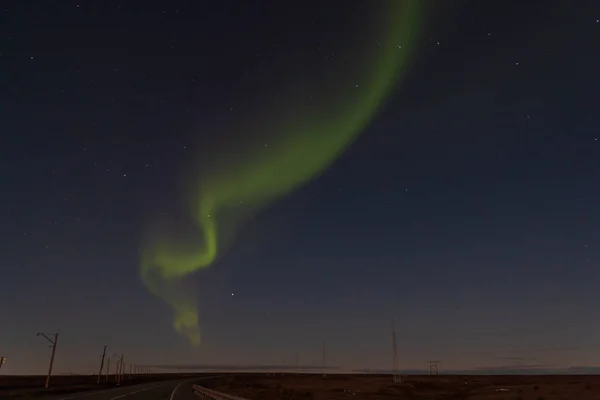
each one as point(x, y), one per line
point(15, 386)
point(358, 387)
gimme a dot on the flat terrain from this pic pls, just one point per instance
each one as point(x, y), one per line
point(26, 387)
point(359, 387)
point(308, 387)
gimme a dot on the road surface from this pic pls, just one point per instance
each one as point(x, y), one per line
point(166, 390)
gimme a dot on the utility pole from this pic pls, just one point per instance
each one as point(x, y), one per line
point(395, 376)
point(120, 368)
point(53, 344)
point(120, 371)
point(297, 365)
point(324, 355)
point(107, 368)
point(117, 368)
point(434, 367)
point(101, 364)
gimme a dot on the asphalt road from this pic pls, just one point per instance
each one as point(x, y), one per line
point(167, 390)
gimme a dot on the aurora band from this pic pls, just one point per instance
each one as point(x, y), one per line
point(298, 151)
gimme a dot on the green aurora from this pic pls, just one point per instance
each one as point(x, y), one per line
point(299, 149)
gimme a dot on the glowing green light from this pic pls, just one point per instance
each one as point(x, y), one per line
point(299, 149)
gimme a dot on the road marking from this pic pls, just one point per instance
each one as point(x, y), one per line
point(127, 394)
point(177, 387)
point(89, 393)
point(134, 392)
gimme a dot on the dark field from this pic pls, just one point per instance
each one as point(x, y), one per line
point(15, 386)
point(359, 387)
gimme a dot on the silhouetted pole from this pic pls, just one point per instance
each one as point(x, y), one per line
point(434, 367)
point(107, 368)
point(117, 371)
point(53, 342)
point(297, 365)
point(120, 370)
point(117, 368)
point(101, 364)
point(395, 376)
point(324, 357)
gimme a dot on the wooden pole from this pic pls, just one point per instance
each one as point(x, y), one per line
point(52, 359)
point(101, 364)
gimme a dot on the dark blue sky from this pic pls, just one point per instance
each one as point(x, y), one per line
point(467, 210)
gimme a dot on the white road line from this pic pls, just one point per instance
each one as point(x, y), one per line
point(176, 387)
point(89, 393)
point(134, 392)
point(121, 396)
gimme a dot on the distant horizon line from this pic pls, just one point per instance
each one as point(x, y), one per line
point(498, 370)
point(473, 372)
point(336, 370)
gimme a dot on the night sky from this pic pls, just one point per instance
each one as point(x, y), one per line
point(466, 209)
